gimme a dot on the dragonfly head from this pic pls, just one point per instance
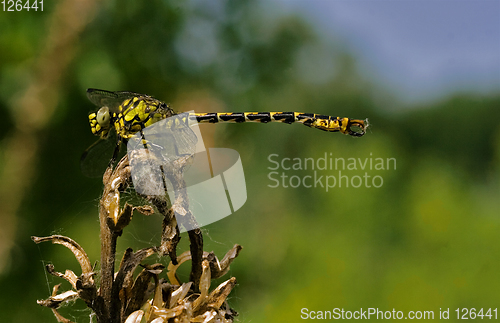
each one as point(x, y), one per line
point(100, 122)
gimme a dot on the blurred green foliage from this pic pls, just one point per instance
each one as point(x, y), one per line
point(427, 239)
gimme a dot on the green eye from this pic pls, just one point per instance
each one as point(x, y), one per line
point(103, 116)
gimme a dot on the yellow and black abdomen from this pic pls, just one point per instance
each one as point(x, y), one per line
point(353, 127)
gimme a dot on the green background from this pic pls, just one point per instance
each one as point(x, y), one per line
point(428, 238)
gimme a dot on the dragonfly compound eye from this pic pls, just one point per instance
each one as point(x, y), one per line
point(103, 116)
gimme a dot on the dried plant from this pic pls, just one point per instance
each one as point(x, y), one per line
point(122, 297)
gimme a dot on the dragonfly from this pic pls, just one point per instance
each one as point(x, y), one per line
point(127, 113)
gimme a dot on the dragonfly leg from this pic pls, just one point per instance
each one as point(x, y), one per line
point(107, 173)
point(115, 153)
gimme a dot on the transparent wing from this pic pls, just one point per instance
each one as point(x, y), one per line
point(160, 149)
point(112, 100)
point(172, 137)
point(96, 158)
